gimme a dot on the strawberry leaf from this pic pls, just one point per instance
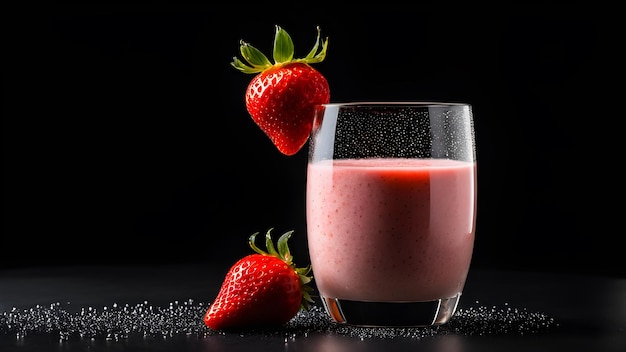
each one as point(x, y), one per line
point(254, 56)
point(270, 245)
point(283, 248)
point(283, 53)
point(314, 56)
point(239, 65)
point(251, 241)
point(283, 46)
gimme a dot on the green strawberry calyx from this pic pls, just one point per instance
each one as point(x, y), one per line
point(282, 55)
point(282, 252)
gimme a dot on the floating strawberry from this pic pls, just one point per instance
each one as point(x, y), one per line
point(264, 288)
point(281, 98)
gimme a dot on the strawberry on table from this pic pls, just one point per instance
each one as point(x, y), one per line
point(281, 98)
point(260, 289)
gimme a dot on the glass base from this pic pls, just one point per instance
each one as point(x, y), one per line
point(391, 314)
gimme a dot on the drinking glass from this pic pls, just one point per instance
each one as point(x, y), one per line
point(391, 210)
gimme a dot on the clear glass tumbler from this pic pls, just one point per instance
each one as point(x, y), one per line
point(391, 210)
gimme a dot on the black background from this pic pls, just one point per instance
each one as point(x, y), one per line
point(125, 137)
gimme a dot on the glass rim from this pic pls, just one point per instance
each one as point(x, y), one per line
point(396, 103)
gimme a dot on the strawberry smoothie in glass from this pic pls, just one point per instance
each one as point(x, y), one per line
point(391, 210)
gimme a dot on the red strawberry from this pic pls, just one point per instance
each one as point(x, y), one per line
point(282, 96)
point(264, 288)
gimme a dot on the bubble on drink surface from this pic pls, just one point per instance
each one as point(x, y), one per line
point(119, 322)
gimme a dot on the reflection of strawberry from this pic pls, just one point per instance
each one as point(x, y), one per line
point(264, 288)
point(282, 96)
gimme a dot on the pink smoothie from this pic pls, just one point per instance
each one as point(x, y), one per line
point(391, 229)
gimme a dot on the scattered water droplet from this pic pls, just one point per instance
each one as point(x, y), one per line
point(118, 323)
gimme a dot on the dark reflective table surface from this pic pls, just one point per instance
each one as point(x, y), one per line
point(587, 313)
